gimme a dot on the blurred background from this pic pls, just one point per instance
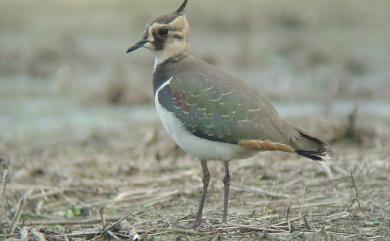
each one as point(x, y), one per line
point(78, 129)
point(64, 72)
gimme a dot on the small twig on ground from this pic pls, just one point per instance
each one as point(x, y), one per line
point(336, 216)
point(115, 223)
point(36, 235)
point(110, 230)
point(3, 183)
point(68, 222)
point(89, 232)
point(45, 195)
point(216, 238)
point(4, 171)
point(356, 191)
point(288, 210)
point(184, 231)
point(111, 235)
point(330, 202)
point(306, 223)
point(321, 182)
point(106, 230)
point(252, 228)
point(285, 222)
point(351, 130)
point(258, 191)
point(162, 198)
point(102, 217)
point(18, 213)
point(288, 216)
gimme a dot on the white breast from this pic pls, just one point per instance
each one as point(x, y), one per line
point(197, 147)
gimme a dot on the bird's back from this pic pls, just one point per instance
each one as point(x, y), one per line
point(219, 107)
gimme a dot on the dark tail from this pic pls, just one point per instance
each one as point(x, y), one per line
point(312, 147)
point(310, 154)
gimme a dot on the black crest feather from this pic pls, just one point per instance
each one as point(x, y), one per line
point(181, 9)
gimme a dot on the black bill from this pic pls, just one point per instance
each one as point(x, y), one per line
point(137, 45)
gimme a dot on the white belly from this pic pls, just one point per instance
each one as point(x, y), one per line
point(197, 147)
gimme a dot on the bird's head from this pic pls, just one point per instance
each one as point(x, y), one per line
point(167, 36)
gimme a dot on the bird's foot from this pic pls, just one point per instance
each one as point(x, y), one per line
point(189, 226)
point(201, 223)
point(189, 223)
point(196, 223)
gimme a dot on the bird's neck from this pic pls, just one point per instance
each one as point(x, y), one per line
point(166, 70)
point(170, 53)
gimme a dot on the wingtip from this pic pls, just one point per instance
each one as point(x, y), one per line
point(316, 156)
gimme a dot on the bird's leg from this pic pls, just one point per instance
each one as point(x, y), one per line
point(226, 183)
point(205, 180)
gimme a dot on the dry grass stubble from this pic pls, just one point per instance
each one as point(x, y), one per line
point(81, 191)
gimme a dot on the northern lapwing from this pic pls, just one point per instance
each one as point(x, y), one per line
point(210, 114)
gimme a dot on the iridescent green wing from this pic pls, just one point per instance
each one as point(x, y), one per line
point(226, 111)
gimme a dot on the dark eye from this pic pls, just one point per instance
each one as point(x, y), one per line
point(163, 32)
